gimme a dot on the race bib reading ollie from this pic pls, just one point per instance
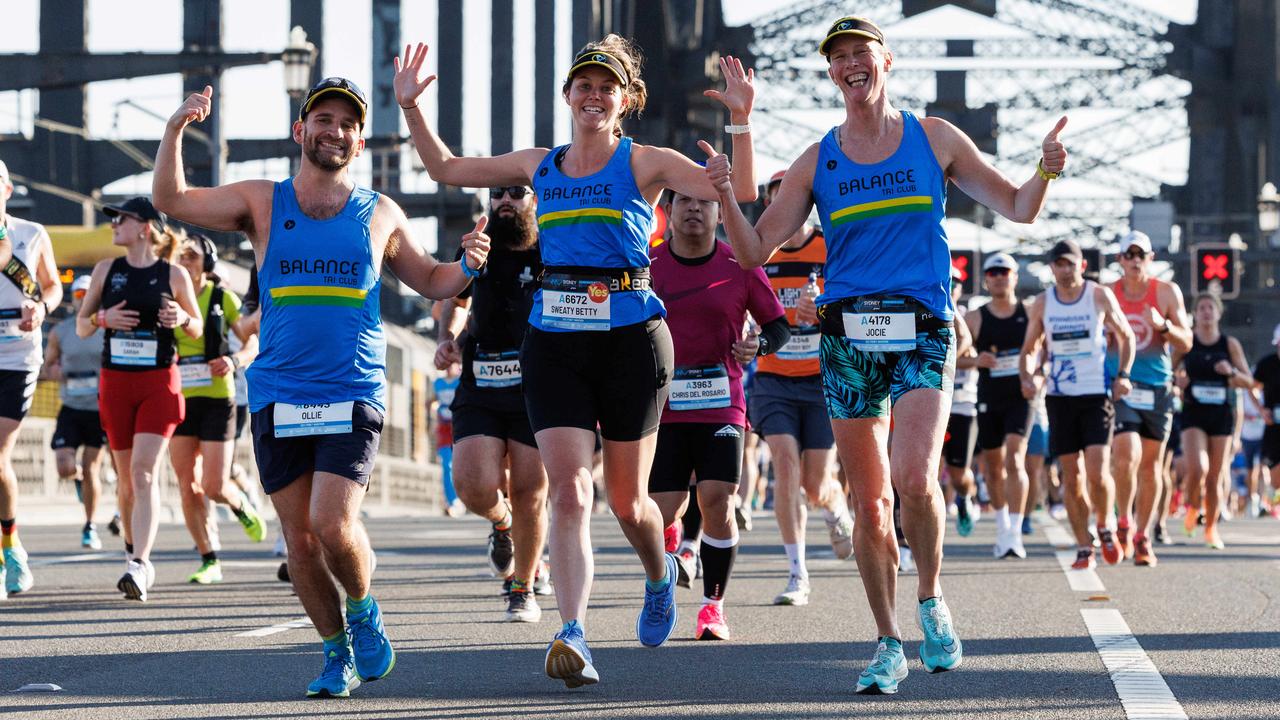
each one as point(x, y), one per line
point(881, 325)
point(700, 388)
point(326, 419)
point(496, 369)
point(573, 303)
point(134, 348)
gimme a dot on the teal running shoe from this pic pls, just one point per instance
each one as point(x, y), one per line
point(888, 667)
point(941, 649)
point(338, 678)
point(659, 614)
point(89, 538)
point(374, 657)
point(568, 659)
point(17, 575)
point(964, 525)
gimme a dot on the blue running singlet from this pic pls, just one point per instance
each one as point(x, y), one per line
point(597, 221)
point(322, 339)
point(883, 222)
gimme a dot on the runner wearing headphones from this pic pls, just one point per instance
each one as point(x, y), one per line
point(598, 352)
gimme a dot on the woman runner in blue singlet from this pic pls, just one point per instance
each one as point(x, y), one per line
point(879, 182)
point(597, 351)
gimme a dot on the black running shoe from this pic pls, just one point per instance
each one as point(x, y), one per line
point(501, 553)
point(282, 574)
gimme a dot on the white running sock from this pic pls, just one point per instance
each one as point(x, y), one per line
point(795, 556)
point(1015, 523)
point(718, 602)
point(1002, 519)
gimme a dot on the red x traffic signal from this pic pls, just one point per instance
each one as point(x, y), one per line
point(1215, 270)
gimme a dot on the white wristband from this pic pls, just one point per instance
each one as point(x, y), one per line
point(737, 129)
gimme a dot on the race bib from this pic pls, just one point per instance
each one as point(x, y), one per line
point(881, 326)
point(9, 319)
point(326, 419)
point(1006, 363)
point(81, 385)
point(576, 304)
point(1071, 343)
point(1209, 394)
point(700, 388)
point(803, 344)
point(195, 372)
point(497, 370)
point(134, 348)
point(1140, 398)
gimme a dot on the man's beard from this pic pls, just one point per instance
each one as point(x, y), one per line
point(512, 232)
point(311, 148)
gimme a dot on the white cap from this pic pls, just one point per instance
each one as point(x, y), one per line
point(80, 283)
point(1000, 260)
point(1135, 238)
point(4, 174)
point(1275, 335)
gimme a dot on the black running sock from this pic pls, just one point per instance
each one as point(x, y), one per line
point(210, 556)
point(692, 517)
point(88, 526)
point(6, 526)
point(128, 549)
point(239, 512)
point(717, 562)
point(962, 506)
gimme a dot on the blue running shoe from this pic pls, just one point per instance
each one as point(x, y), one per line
point(1026, 525)
point(659, 614)
point(338, 678)
point(941, 649)
point(374, 657)
point(17, 575)
point(888, 667)
point(568, 659)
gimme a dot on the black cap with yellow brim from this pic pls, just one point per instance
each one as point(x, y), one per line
point(335, 85)
point(604, 60)
point(852, 25)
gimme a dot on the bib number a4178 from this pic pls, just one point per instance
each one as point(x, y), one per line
point(881, 331)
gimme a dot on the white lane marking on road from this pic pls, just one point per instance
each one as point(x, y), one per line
point(263, 632)
point(1143, 692)
point(1058, 536)
point(1079, 580)
point(87, 557)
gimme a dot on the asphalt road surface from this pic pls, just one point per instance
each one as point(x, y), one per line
point(1198, 635)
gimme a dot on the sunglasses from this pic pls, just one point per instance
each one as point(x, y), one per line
point(997, 271)
point(119, 219)
point(517, 192)
point(1134, 255)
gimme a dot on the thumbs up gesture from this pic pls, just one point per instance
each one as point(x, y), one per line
point(475, 245)
point(196, 108)
point(1053, 154)
point(718, 170)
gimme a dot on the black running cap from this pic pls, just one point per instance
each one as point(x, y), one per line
point(852, 25)
point(1067, 249)
point(342, 87)
point(138, 207)
point(602, 59)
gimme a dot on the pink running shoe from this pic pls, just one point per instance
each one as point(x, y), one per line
point(711, 623)
point(671, 536)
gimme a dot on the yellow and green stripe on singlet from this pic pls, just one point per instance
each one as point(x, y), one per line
point(579, 217)
point(317, 295)
point(880, 208)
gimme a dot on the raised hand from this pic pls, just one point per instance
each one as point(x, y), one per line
point(407, 84)
point(196, 108)
point(739, 93)
point(1053, 154)
point(718, 169)
point(476, 245)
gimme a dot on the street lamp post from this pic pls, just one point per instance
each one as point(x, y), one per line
point(1269, 212)
point(298, 57)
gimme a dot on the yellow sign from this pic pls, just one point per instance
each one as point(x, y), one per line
point(77, 246)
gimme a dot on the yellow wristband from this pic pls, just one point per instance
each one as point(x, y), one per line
point(1045, 174)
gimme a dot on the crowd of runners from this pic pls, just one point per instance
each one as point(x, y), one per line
point(578, 359)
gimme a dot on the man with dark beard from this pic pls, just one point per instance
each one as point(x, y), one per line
point(491, 430)
point(318, 388)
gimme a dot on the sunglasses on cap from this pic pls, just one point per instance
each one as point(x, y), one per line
point(517, 192)
point(335, 85)
point(997, 271)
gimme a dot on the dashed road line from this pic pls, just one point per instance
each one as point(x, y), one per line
point(1079, 580)
point(1143, 692)
point(263, 632)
